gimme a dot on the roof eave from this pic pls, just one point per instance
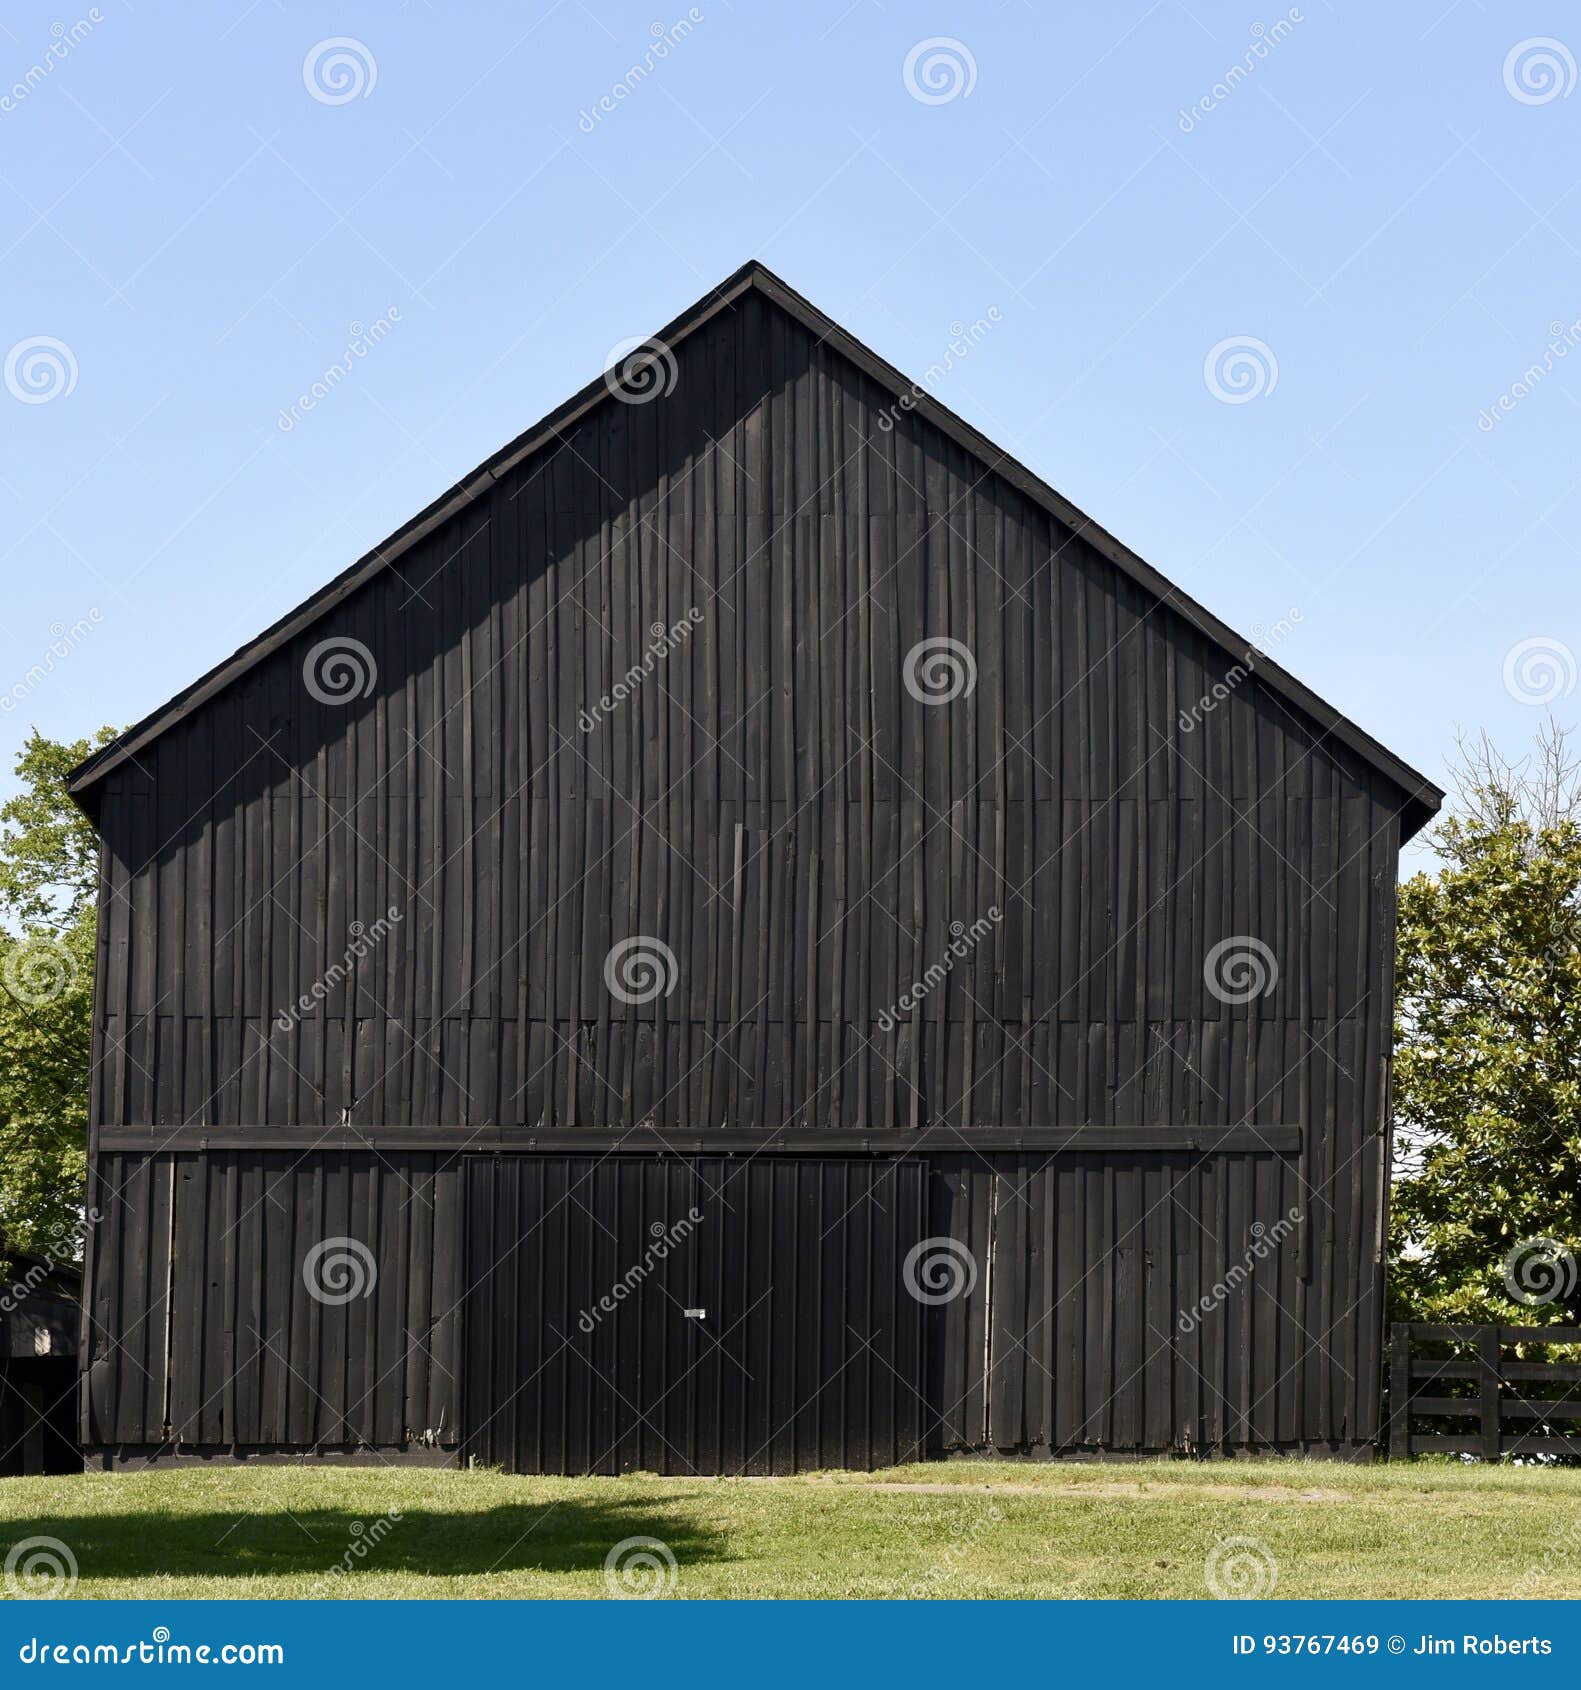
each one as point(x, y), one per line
point(1420, 797)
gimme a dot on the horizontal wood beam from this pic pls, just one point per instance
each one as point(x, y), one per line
point(1445, 1443)
point(1535, 1408)
point(1447, 1405)
point(1425, 1330)
point(1515, 1408)
point(648, 1140)
point(1568, 1373)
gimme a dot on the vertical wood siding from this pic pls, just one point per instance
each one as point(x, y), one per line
point(1144, 1302)
point(772, 803)
point(203, 1329)
point(1114, 1302)
point(769, 802)
point(803, 1351)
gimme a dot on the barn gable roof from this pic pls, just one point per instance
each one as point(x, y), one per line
point(1420, 798)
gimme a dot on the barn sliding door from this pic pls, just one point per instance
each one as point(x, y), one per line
point(706, 1315)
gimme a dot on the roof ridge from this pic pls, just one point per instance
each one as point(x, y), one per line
point(1422, 796)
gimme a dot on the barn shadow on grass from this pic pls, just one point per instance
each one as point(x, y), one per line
point(560, 1537)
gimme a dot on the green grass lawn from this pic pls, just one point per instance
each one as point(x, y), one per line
point(962, 1529)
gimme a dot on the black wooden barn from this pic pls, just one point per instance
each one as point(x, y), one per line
point(749, 935)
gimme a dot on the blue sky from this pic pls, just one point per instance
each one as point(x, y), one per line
point(1378, 223)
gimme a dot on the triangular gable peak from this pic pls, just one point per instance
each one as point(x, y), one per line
point(1419, 797)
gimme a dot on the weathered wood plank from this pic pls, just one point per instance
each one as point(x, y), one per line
point(378, 924)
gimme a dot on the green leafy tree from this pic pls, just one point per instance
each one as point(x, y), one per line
point(1487, 1079)
point(48, 877)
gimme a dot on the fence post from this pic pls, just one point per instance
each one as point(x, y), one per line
point(1400, 1394)
point(1488, 1355)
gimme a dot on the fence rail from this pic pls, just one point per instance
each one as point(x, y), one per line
point(1510, 1412)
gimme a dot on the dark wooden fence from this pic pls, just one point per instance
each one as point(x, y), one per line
point(1479, 1400)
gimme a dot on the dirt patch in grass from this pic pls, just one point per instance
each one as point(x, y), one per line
point(1117, 1487)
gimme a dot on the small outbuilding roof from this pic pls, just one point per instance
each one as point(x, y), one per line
point(39, 1307)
